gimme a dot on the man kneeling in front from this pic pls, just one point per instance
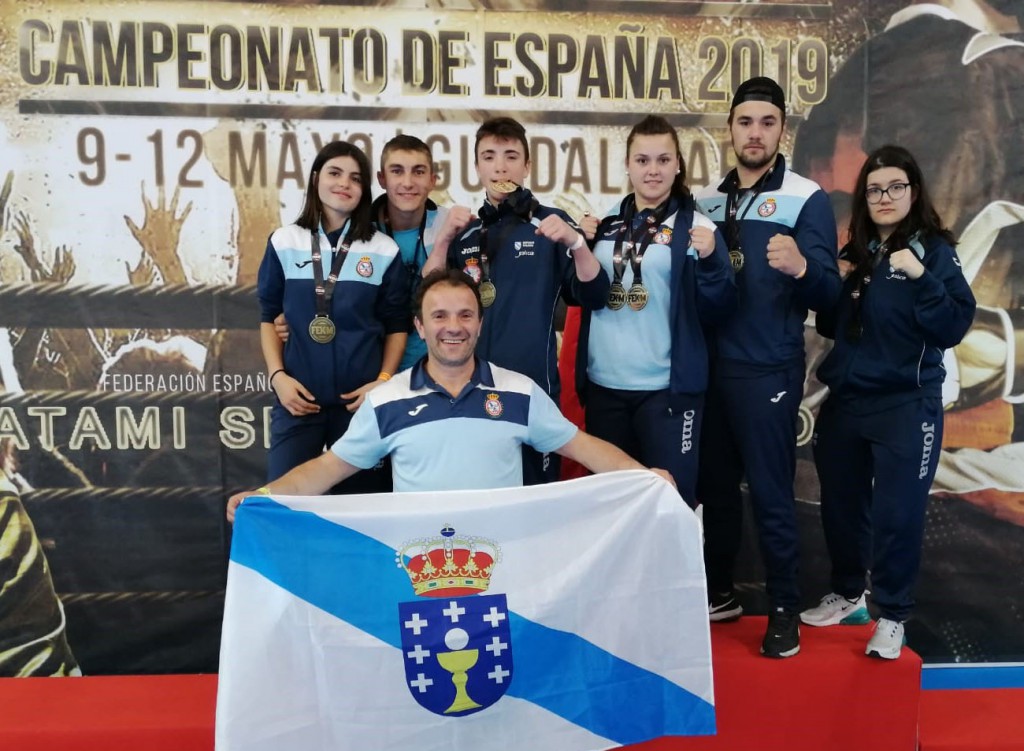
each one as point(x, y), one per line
point(452, 421)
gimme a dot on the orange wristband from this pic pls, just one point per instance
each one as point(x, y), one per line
point(383, 376)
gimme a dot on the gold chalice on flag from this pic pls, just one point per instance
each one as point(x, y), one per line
point(457, 662)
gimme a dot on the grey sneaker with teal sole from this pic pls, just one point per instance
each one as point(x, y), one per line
point(835, 609)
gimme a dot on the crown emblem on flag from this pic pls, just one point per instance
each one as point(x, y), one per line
point(449, 565)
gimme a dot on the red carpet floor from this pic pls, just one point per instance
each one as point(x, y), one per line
point(972, 720)
point(829, 697)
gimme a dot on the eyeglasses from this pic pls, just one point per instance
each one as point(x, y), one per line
point(896, 191)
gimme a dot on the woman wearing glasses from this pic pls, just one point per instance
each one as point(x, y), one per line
point(879, 433)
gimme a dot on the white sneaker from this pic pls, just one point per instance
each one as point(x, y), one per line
point(835, 609)
point(887, 641)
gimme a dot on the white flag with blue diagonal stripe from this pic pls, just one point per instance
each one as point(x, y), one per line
point(565, 617)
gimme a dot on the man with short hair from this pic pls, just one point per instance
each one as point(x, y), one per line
point(453, 421)
point(524, 256)
point(781, 236)
point(406, 213)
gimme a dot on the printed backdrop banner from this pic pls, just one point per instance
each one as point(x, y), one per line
point(147, 151)
point(563, 618)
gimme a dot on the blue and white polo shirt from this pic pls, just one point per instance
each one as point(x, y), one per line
point(440, 442)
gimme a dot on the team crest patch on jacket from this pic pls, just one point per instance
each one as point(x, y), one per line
point(767, 208)
point(456, 641)
point(365, 267)
point(472, 269)
point(664, 236)
point(493, 405)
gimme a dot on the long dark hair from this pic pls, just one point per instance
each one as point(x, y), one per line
point(922, 218)
point(655, 125)
point(361, 221)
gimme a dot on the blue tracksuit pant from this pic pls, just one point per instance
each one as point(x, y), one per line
point(654, 427)
point(876, 468)
point(749, 430)
point(295, 440)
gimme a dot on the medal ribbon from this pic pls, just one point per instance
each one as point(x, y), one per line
point(325, 290)
point(520, 203)
point(485, 258)
point(855, 326)
point(421, 246)
point(642, 234)
point(733, 199)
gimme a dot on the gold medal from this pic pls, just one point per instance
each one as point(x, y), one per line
point(487, 293)
point(637, 297)
point(321, 330)
point(504, 186)
point(736, 259)
point(616, 296)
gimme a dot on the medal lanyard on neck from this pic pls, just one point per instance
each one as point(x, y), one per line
point(855, 326)
point(732, 204)
point(486, 256)
point(420, 243)
point(643, 234)
point(325, 290)
point(518, 211)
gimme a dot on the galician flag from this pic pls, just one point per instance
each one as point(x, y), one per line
point(564, 617)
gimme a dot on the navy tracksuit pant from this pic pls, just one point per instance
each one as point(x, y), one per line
point(750, 426)
point(876, 467)
point(656, 428)
point(295, 440)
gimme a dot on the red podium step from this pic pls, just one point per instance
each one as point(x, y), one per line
point(830, 696)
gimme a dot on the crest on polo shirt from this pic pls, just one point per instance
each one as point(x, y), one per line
point(456, 640)
point(767, 208)
point(365, 267)
point(472, 269)
point(664, 236)
point(493, 406)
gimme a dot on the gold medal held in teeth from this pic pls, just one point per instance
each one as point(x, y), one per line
point(505, 186)
point(488, 292)
point(321, 330)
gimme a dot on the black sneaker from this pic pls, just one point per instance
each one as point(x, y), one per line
point(782, 639)
point(723, 607)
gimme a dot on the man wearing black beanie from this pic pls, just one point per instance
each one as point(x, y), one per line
point(781, 235)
